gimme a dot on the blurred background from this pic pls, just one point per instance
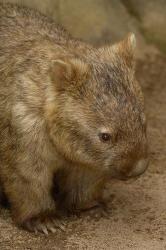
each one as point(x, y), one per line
point(105, 21)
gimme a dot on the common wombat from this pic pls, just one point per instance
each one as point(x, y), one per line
point(67, 110)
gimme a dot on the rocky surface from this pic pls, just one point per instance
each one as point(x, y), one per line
point(151, 17)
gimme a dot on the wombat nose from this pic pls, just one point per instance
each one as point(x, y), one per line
point(139, 168)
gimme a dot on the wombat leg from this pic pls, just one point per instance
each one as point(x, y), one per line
point(29, 194)
point(79, 190)
point(33, 208)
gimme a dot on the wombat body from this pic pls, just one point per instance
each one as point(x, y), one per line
point(68, 111)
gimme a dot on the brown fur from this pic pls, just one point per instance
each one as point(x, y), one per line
point(57, 95)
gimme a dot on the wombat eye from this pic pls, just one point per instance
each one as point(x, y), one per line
point(105, 137)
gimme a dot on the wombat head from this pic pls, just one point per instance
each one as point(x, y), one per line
point(98, 120)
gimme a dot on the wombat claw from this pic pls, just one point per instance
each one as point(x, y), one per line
point(48, 226)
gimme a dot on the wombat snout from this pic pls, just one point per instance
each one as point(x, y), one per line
point(139, 168)
point(133, 170)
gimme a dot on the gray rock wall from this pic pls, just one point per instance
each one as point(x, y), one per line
point(151, 16)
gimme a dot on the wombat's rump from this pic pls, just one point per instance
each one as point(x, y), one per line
point(67, 110)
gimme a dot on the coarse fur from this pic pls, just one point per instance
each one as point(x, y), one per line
point(58, 96)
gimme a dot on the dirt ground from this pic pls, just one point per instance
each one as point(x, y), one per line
point(136, 214)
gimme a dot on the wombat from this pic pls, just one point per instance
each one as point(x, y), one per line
point(71, 118)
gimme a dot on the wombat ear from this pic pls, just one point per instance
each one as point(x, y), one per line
point(66, 73)
point(125, 49)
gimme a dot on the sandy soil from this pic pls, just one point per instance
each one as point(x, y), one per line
point(136, 214)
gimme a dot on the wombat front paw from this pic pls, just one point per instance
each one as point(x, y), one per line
point(44, 225)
